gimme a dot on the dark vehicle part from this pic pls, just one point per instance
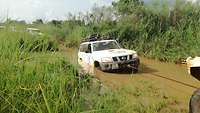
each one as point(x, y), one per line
point(92, 37)
point(194, 106)
point(195, 72)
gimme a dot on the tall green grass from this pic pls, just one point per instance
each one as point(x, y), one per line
point(35, 82)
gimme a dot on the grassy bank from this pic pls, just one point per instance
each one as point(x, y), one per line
point(34, 81)
point(139, 97)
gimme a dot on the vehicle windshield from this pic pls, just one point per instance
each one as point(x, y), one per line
point(105, 45)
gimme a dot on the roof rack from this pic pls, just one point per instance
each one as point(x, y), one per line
point(96, 37)
point(93, 37)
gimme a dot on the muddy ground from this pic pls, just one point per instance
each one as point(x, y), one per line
point(171, 78)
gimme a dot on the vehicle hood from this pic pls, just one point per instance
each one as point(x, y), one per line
point(113, 53)
point(193, 62)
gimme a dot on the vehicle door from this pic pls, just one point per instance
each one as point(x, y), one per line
point(85, 53)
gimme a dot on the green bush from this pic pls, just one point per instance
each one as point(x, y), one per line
point(38, 43)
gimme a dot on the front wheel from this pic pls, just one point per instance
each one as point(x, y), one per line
point(135, 70)
point(97, 65)
point(194, 106)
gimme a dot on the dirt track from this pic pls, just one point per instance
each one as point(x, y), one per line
point(171, 78)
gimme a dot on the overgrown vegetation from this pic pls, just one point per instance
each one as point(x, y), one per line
point(159, 31)
point(34, 82)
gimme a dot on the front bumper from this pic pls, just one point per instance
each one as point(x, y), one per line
point(134, 64)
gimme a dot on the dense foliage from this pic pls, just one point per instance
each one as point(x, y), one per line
point(160, 31)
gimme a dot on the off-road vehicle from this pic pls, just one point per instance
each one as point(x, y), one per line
point(107, 55)
point(34, 31)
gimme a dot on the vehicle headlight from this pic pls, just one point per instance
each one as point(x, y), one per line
point(135, 55)
point(106, 59)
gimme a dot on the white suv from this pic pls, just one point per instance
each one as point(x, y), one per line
point(34, 31)
point(107, 55)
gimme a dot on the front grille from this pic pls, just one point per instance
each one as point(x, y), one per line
point(123, 58)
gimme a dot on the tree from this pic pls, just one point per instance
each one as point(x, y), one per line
point(56, 23)
point(100, 14)
point(38, 21)
point(127, 7)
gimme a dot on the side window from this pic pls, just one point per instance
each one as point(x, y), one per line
point(83, 48)
point(86, 48)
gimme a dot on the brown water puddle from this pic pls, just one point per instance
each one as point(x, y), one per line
point(149, 69)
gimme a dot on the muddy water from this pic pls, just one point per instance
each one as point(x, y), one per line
point(154, 71)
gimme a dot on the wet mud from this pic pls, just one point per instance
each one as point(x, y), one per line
point(171, 78)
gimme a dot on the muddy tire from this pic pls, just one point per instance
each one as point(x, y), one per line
point(135, 70)
point(97, 65)
point(99, 68)
point(194, 106)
